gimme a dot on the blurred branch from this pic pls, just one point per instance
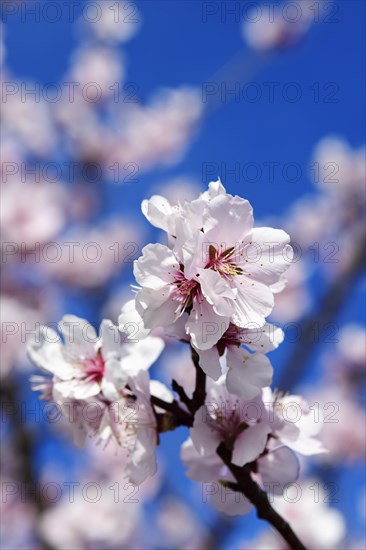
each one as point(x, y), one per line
point(328, 309)
point(24, 446)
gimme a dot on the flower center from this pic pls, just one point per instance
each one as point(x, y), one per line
point(186, 291)
point(93, 370)
point(223, 262)
point(225, 418)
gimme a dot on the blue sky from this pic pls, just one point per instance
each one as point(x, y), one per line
point(176, 46)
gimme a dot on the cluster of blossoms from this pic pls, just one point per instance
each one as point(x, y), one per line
point(264, 435)
point(212, 287)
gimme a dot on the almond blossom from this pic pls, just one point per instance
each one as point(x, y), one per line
point(84, 364)
point(102, 386)
point(260, 437)
point(217, 267)
point(241, 353)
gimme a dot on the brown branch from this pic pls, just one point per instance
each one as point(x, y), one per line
point(182, 394)
point(259, 499)
point(182, 417)
point(245, 483)
point(199, 394)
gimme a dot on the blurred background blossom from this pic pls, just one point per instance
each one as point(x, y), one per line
point(110, 103)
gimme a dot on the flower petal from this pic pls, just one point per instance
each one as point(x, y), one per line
point(248, 374)
point(250, 444)
point(210, 362)
point(155, 268)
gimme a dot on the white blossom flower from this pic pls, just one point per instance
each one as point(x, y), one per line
point(107, 374)
point(209, 270)
point(84, 365)
point(258, 436)
point(246, 372)
point(293, 423)
point(132, 423)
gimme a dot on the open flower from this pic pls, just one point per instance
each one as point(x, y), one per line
point(103, 387)
point(85, 365)
point(217, 267)
point(260, 438)
point(247, 372)
point(131, 422)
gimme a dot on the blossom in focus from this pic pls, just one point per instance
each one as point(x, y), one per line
point(260, 435)
point(106, 373)
point(84, 365)
point(217, 267)
point(248, 369)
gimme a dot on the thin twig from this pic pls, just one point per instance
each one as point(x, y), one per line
point(183, 417)
point(182, 394)
point(248, 487)
point(199, 394)
point(259, 499)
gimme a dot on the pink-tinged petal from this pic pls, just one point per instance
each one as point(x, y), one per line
point(141, 355)
point(210, 362)
point(234, 217)
point(215, 188)
point(254, 302)
point(114, 380)
point(279, 286)
point(250, 443)
point(228, 501)
point(142, 462)
point(248, 374)
point(157, 307)
point(46, 351)
point(273, 254)
point(130, 322)
point(204, 325)
point(156, 267)
point(306, 446)
point(110, 337)
point(194, 254)
point(77, 389)
point(160, 213)
point(80, 337)
point(178, 329)
point(277, 469)
point(140, 383)
point(217, 291)
point(200, 468)
point(263, 339)
point(204, 437)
